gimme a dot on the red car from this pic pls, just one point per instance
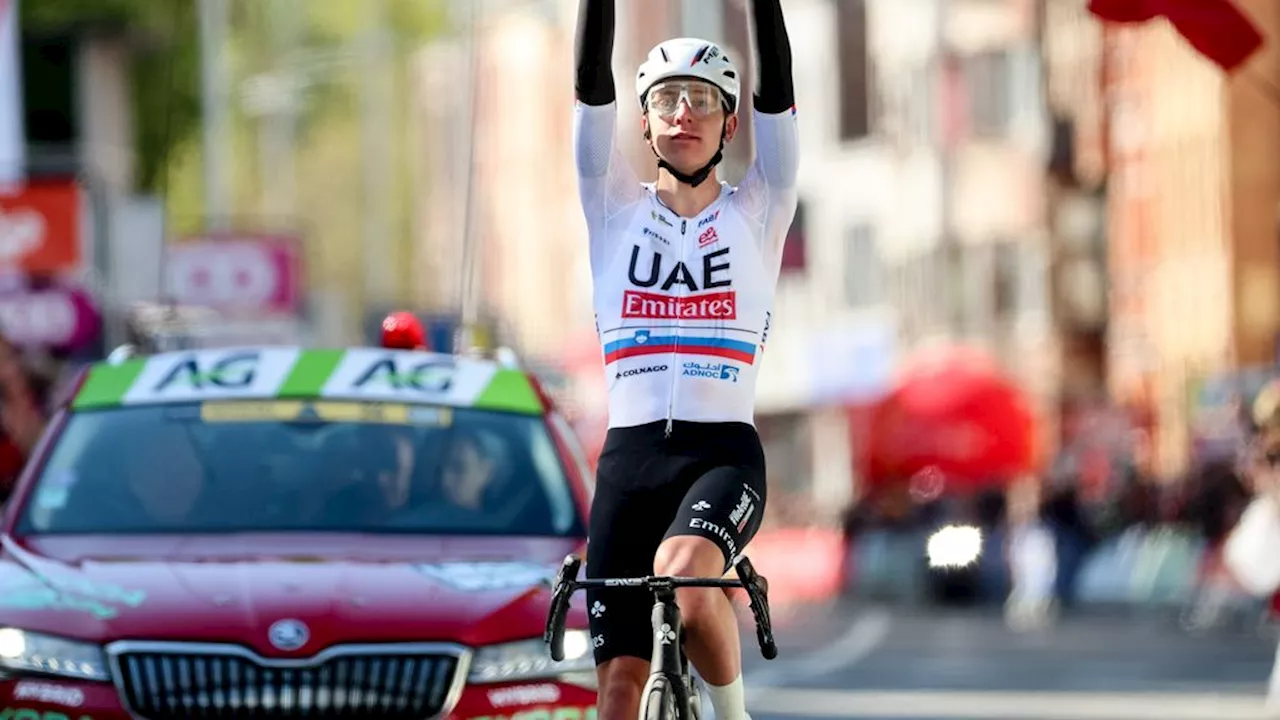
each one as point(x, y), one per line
point(287, 533)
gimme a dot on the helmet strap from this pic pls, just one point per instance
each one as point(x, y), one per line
point(699, 176)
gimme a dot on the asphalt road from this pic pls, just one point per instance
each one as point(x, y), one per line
point(874, 663)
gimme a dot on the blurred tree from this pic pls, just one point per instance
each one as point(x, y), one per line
point(326, 59)
point(165, 69)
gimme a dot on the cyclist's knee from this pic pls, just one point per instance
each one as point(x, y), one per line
point(621, 682)
point(689, 556)
point(692, 556)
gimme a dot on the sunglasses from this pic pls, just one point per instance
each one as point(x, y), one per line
point(703, 98)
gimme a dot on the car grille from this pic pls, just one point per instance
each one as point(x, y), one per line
point(190, 682)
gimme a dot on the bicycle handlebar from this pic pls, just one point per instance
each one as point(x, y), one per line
point(654, 581)
point(567, 583)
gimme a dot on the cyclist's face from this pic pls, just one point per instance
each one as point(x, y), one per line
point(685, 119)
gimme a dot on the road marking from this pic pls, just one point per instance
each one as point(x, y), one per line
point(859, 641)
point(849, 649)
point(783, 702)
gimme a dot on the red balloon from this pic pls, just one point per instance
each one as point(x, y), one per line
point(402, 331)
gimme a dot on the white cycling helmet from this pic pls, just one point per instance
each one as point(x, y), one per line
point(693, 58)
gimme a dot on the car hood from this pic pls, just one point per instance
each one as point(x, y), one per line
point(351, 588)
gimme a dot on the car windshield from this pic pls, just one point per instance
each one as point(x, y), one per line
point(303, 466)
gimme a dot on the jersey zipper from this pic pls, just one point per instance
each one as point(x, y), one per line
point(675, 334)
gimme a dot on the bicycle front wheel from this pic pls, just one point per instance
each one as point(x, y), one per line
point(660, 702)
point(695, 698)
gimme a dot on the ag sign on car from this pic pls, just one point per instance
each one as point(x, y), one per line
point(393, 375)
point(212, 373)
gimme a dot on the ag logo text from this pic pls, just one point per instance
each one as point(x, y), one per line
point(228, 372)
point(429, 376)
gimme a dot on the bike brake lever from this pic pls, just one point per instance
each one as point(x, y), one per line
point(758, 594)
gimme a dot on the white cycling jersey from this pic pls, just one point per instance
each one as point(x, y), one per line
point(683, 304)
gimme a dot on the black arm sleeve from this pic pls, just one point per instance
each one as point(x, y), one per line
point(594, 52)
point(775, 91)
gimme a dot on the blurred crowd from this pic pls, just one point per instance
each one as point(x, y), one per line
point(1144, 542)
point(28, 381)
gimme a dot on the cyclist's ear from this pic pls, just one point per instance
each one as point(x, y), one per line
point(644, 124)
point(730, 126)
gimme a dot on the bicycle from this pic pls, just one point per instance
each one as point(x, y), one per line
point(670, 693)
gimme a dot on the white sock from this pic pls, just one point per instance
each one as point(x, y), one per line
point(729, 701)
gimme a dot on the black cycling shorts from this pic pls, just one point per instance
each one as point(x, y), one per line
point(705, 479)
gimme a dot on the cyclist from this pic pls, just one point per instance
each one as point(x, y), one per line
point(684, 273)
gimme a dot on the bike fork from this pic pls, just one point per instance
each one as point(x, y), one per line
point(668, 659)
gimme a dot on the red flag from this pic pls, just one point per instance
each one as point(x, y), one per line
point(1215, 28)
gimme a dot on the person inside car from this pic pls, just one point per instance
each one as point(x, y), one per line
point(167, 482)
point(395, 477)
point(466, 484)
point(120, 489)
point(381, 485)
point(470, 467)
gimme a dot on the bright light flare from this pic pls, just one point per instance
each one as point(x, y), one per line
point(954, 546)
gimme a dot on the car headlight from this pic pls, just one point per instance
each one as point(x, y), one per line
point(954, 546)
point(23, 651)
point(528, 659)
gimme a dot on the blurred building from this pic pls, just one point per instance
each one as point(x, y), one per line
point(528, 231)
point(992, 142)
point(1075, 194)
point(1090, 443)
point(956, 99)
point(1191, 223)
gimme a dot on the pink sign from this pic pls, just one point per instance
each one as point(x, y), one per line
point(56, 317)
point(240, 271)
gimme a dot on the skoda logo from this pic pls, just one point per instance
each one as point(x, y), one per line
point(288, 634)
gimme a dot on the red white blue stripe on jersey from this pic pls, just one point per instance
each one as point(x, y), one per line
point(644, 344)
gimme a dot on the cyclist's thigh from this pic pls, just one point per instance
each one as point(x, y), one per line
point(725, 505)
point(629, 515)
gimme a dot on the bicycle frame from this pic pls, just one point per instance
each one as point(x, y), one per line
point(668, 661)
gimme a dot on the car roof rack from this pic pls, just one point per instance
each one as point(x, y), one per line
point(163, 326)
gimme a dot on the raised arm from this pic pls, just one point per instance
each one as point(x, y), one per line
point(768, 193)
point(775, 90)
point(594, 53)
point(606, 183)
